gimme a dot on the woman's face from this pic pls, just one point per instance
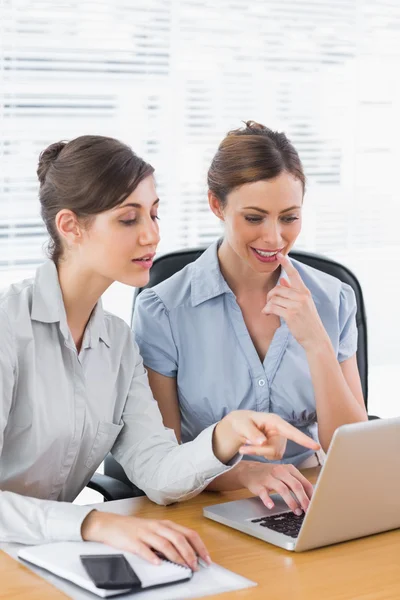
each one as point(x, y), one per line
point(119, 244)
point(263, 218)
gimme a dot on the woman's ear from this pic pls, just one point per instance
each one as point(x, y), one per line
point(215, 205)
point(68, 227)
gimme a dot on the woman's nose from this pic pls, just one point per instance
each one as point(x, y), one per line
point(149, 235)
point(272, 236)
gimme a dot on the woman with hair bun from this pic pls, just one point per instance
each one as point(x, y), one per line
point(245, 327)
point(72, 382)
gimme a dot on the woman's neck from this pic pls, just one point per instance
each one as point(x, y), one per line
point(81, 290)
point(240, 277)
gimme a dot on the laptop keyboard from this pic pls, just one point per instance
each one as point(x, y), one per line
point(287, 523)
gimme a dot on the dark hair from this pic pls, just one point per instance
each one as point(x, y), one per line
point(252, 153)
point(87, 175)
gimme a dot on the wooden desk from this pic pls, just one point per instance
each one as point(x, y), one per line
point(366, 569)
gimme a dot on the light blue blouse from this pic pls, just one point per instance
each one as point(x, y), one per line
point(191, 327)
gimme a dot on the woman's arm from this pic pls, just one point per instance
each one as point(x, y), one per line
point(165, 392)
point(23, 519)
point(337, 387)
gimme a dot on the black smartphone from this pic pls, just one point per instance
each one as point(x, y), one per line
point(110, 571)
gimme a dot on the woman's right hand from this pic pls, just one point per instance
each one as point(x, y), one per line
point(256, 433)
point(144, 536)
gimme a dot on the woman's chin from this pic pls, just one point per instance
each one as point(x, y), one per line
point(138, 280)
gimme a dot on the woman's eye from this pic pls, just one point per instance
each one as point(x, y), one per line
point(253, 219)
point(290, 219)
point(128, 222)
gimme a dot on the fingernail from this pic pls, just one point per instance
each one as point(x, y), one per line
point(270, 505)
point(156, 561)
point(298, 512)
point(260, 440)
point(202, 563)
point(208, 559)
point(194, 566)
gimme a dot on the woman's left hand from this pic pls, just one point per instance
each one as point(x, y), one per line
point(292, 301)
point(263, 478)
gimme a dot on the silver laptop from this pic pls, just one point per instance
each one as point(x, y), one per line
point(357, 494)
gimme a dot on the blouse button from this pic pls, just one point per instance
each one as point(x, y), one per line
point(261, 382)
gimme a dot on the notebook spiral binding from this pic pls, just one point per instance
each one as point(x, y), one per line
point(165, 559)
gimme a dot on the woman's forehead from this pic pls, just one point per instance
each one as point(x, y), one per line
point(280, 192)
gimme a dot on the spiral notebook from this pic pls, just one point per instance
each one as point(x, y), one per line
point(62, 559)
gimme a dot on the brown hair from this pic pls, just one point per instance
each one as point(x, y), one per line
point(252, 153)
point(87, 175)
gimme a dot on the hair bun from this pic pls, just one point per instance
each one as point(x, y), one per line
point(47, 158)
point(255, 127)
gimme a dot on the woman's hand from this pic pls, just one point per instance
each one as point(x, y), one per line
point(262, 479)
point(292, 301)
point(257, 433)
point(144, 536)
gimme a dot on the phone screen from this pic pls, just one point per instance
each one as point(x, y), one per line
point(110, 571)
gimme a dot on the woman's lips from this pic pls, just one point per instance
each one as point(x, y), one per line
point(265, 259)
point(146, 262)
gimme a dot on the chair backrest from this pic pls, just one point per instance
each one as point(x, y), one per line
point(170, 263)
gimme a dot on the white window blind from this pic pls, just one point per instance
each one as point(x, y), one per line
point(171, 77)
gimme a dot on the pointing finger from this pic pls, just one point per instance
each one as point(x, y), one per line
point(291, 433)
point(291, 272)
point(283, 428)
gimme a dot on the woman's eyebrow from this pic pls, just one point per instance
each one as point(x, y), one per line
point(266, 212)
point(135, 205)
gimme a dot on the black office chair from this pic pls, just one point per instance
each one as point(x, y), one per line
point(168, 264)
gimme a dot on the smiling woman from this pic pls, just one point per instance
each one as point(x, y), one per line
point(245, 216)
point(262, 174)
point(245, 327)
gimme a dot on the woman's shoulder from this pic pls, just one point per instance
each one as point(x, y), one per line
point(170, 293)
point(17, 297)
point(15, 308)
point(324, 287)
point(196, 282)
